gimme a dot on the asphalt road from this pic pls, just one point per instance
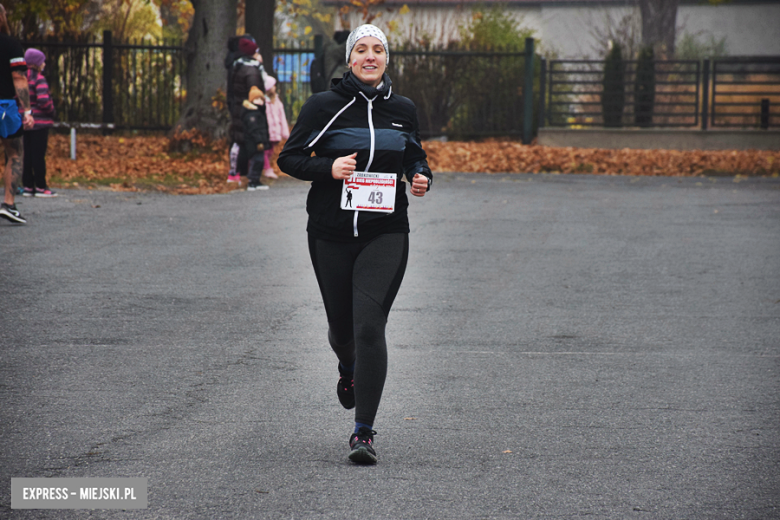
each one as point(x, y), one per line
point(561, 347)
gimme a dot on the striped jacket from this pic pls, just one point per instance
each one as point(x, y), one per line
point(381, 127)
point(40, 100)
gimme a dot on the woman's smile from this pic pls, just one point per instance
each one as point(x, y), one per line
point(369, 60)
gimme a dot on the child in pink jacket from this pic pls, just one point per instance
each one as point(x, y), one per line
point(278, 129)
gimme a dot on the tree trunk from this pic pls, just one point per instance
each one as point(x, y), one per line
point(659, 25)
point(213, 23)
point(260, 24)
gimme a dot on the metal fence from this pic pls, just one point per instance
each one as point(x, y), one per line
point(292, 61)
point(725, 92)
point(130, 85)
point(745, 93)
point(142, 85)
point(458, 93)
point(462, 94)
point(575, 94)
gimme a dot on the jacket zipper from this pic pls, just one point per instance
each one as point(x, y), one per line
point(370, 153)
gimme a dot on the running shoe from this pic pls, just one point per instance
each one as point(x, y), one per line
point(45, 193)
point(345, 389)
point(11, 213)
point(256, 186)
point(270, 174)
point(234, 178)
point(361, 445)
point(28, 192)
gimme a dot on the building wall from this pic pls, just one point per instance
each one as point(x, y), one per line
point(438, 25)
point(570, 31)
point(575, 32)
point(749, 29)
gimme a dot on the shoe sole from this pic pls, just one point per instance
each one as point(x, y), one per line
point(349, 405)
point(12, 218)
point(361, 455)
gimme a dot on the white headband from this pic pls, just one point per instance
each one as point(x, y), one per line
point(362, 32)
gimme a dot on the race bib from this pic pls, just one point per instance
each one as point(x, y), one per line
point(369, 191)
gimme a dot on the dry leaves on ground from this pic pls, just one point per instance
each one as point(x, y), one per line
point(145, 163)
point(507, 156)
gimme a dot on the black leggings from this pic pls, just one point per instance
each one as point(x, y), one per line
point(34, 166)
point(359, 282)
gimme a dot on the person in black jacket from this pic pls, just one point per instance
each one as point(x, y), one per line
point(247, 72)
point(256, 140)
point(359, 256)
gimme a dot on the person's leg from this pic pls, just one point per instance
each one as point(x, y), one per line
point(255, 172)
point(332, 263)
point(267, 154)
point(28, 180)
point(233, 158)
point(39, 140)
point(12, 173)
point(376, 279)
point(14, 153)
point(268, 169)
point(242, 161)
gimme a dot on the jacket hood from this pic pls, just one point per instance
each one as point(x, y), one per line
point(351, 86)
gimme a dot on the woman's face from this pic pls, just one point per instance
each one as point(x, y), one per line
point(368, 60)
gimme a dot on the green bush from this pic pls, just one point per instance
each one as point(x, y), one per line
point(644, 88)
point(613, 98)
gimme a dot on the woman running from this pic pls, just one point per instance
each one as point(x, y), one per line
point(359, 240)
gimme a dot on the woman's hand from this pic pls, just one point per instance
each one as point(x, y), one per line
point(343, 167)
point(28, 122)
point(419, 185)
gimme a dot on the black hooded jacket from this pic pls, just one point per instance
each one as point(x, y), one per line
point(246, 73)
point(353, 117)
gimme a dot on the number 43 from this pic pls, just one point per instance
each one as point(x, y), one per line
point(375, 197)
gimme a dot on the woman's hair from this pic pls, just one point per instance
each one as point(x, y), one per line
point(4, 21)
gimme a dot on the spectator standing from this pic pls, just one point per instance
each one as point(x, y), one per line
point(13, 84)
point(330, 65)
point(36, 140)
point(232, 55)
point(253, 117)
point(278, 129)
point(247, 72)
